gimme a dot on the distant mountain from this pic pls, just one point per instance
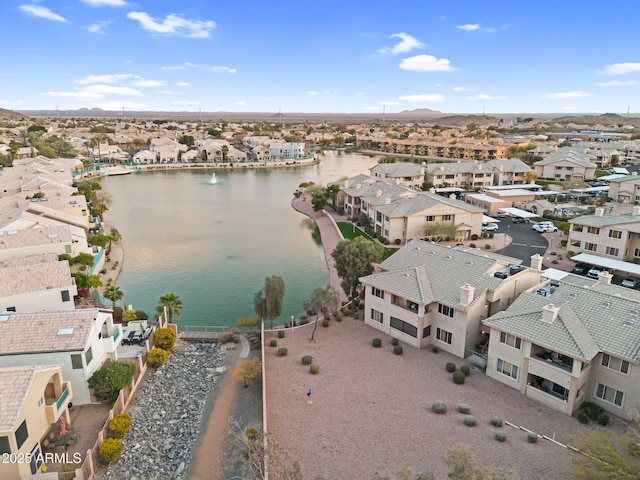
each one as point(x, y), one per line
point(10, 115)
point(419, 111)
point(468, 119)
point(604, 119)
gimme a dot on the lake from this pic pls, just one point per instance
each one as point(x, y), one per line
point(214, 244)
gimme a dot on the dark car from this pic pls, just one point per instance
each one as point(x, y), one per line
point(518, 220)
point(581, 268)
point(134, 337)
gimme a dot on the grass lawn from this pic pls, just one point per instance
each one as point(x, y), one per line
point(349, 232)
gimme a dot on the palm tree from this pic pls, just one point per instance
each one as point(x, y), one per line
point(113, 293)
point(173, 304)
point(225, 151)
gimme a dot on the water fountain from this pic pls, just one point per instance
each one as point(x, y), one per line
point(214, 179)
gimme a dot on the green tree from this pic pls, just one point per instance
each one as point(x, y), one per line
point(114, 294)
point(111, 378)
point(173, 304)
point(331, 192)
point(225, 152)
point(86, 281)
point(318, 201)
point(319, 298)
point(267, 302)
point(354, 259)
point(606, 458)
point(187, 140)
point(84, 259)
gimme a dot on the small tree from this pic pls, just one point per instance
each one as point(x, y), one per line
point(157, 357)
point(248, 370)
point(164, 338)
point(110, 450)
point(114, 294)
point(268, 301)
point(111, 378)
point(248, 322)
point(129, 316)
point(119, 425)
point(172, 303)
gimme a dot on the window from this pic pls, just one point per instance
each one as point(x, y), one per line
point(426, 331)
point(444, 336)
point(430, 218)
point(636, 252)
point(76, 361)
point(507, 369)
point(447, 218)
point(376, 292)
point(615, 233)
point(444, 310)
point(577, 228)
point(22, 434)
point(4, 445)
point(40, 401)
point(65, 295)
point(609, 394)
point(510, 340)
point(377, 316)
point(560, 391)
point(593, 230)
point(615, 363)
point(612, 251)
point(590, 246)
point(404, 327)
point(36, 459)
point(88, 356)
point(11, 309)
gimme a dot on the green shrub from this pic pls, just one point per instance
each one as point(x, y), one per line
point(164, 338)
point(464, 408)
point(395, 341)
point(451, 367)
point(325, 323)
point(458, 377)
point(397, 350)
point(496, 422)
point(591, 409)
point(439, 407)
point(532, 437)
point(110, 450)
point(487, 247)
point(472, 245)
point(157, 357)
point(501, 436)
point(470, 421)
point(280, 333)
point(603, 419)
point(338, 316)
point(119, 425)
point(435, 349)
point(466, 370)
point(377, 342)
point(314, 368)
point(282, 352)
point(273, 343)
point(307, 360)
point(109, 379)
point(251, 433)
point(583, 417)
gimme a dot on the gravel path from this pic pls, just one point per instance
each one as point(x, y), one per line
point(371, 412)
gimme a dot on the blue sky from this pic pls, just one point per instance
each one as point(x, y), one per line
point(464, 56)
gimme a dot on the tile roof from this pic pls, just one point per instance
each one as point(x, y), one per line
point(33, 273)
point(16, 383)
point(25, 333)
point(35, 236)
point(606, 220)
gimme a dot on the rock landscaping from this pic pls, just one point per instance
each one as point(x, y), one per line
point(167, 415)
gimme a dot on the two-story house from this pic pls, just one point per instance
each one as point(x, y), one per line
point(406, 174)
point(566, 164)
point(625, 189)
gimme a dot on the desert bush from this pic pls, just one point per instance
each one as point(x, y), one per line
point(470, 421)
point(532, 437)
point(501, 436)
point(451, 367)
point(487, 247)
point(395, 341)
point(603, 419)
point(164, 338)
point(307, 360)
point(280, 333)
point(472, 245)
point(377, 342)
point(251, 433)
point(397, 349)
point(439, 407)
point(583, 417)
point(282, 352)
point(464, 408)
point(110, 450)
point(591, 409)
point(435, 349)
point(496, 422)
point(338, 316)
point(325, 323)
point(458, 377)
point(157, 357)
point(314, 368)
point(273, 343)
point(119, 425)
point(466, 370)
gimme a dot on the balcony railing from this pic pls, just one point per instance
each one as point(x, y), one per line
point(60, 402)
point(567, 366)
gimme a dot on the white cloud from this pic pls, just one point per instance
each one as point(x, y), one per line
point(148, 83)
point(77, 94)
point(425, 97)
point(109, 78)
point(110, 89)
point(182, 84)
point(41, 12)
point(313, 92)
point(108, 3)
point(621, 68)
point(176, 67)
point(359, 94)
point(616, 83)
point(484, 96)
point(173, 24)
point(462, 89)
point(426, 63)
point(575, 94)
point(220, 69)
point(469, 27)
point(97, 27)
point(406, 44)
point(242, 103)
point(169, 92)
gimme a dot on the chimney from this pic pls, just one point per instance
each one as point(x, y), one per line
point(387, 201)
point(636, 210)
point(452, 196)
point(346, 184)
point(536, 261)
point(599, 212)
point(378, 193)
point(501, 167)
point(358, 186)
point(549, 313)
point(466, 294)
point(605, 277)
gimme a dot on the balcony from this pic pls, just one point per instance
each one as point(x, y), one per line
point(405, 304)
point(553, 359)
point(55, 406)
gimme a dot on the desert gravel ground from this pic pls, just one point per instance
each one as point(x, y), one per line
point(371, 410)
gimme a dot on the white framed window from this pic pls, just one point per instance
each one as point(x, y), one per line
point(510, 340)
point(444, 336)
point(376, 292)
point(507, 369)
point(430, 218)
point(609, 394)
point(615, 363)
point(593, 230)
point(445, 310)
point(377, 316)
point(615, 233)
point(590, 246)
point(612, 251)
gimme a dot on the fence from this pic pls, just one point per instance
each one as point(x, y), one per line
point(89, 467)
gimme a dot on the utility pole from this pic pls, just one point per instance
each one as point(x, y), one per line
point(384, 106)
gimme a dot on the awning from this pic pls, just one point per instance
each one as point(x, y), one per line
point(516, 212)
point(608, 263)
point(487, 219)
point(554, 274)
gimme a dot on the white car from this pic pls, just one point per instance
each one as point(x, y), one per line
point(544, 227)
point(490, 227)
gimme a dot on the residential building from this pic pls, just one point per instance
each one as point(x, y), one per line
point(625, 189)
point(566, 164)
point(568, 342)
point(407, 174)
point(33, 241)
point(611, 236)
point(33, 398)
point(78, 340)
point(427, 294)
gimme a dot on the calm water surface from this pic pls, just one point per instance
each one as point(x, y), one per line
point(213, 245)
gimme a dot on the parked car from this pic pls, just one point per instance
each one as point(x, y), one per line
point(500, 215)
point(134, 337)
point(544, 227)
point(581, 268)
point(631, 282)
point(490, 227)
point(595, 272)
point(518, 220)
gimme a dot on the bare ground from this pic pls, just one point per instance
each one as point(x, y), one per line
point(371, 410)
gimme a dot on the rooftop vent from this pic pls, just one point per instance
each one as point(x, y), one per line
point(605, 304)
point(4, 317)
point(416, 248)
point(573, 295)
point(52, 235)
point(406, 275)
point(634, 312)
point(629, 323)
point(469, 263)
